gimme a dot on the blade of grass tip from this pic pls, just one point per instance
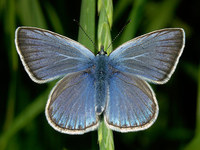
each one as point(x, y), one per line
point(135, 17)
point(87, 22)
point(105, 135)
point(54, 19)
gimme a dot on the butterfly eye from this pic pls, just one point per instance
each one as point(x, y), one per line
point(102, 53)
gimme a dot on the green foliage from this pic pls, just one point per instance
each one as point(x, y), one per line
point(23, 124)
point(135, 17)
point(105, 137)
point(105, 23)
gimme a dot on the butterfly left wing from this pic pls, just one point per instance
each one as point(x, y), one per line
point(71, 105)
point(131, 104)
point(47, 55)
point(152, 56)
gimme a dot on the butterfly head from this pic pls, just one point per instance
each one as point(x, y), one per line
point(102, 52)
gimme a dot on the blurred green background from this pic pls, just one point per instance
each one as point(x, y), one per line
point(22, 120)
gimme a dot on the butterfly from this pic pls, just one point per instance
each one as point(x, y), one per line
point(111, 86)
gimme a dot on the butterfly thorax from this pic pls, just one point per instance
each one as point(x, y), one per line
point(101, 75)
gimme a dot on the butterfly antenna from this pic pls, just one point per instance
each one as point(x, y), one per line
point(119, 33)
point(85, 33)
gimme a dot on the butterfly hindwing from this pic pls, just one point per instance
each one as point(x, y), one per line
point(131, 104)
point(71, 104)
point(47, 55)
point(152, 56)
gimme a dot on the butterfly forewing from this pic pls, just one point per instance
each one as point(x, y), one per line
point(152, 56)
point(71, 104)
point(131, 105)
point(47, 55)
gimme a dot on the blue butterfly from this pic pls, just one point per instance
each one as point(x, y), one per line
point(113, 86)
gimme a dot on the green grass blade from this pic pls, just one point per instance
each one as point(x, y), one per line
point(119, 9)
point(195, 144)
point(104, 36)
point(105, 135)
point(162, 15)
point(87, 21)
point(108, 8)
point(30, 13)
point(9, 26)
point(54, 19)
point(25, 117)
point(135, 17)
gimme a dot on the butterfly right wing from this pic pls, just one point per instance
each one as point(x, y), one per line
point(152, 56)
point(47, 55)
point(71, 105)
